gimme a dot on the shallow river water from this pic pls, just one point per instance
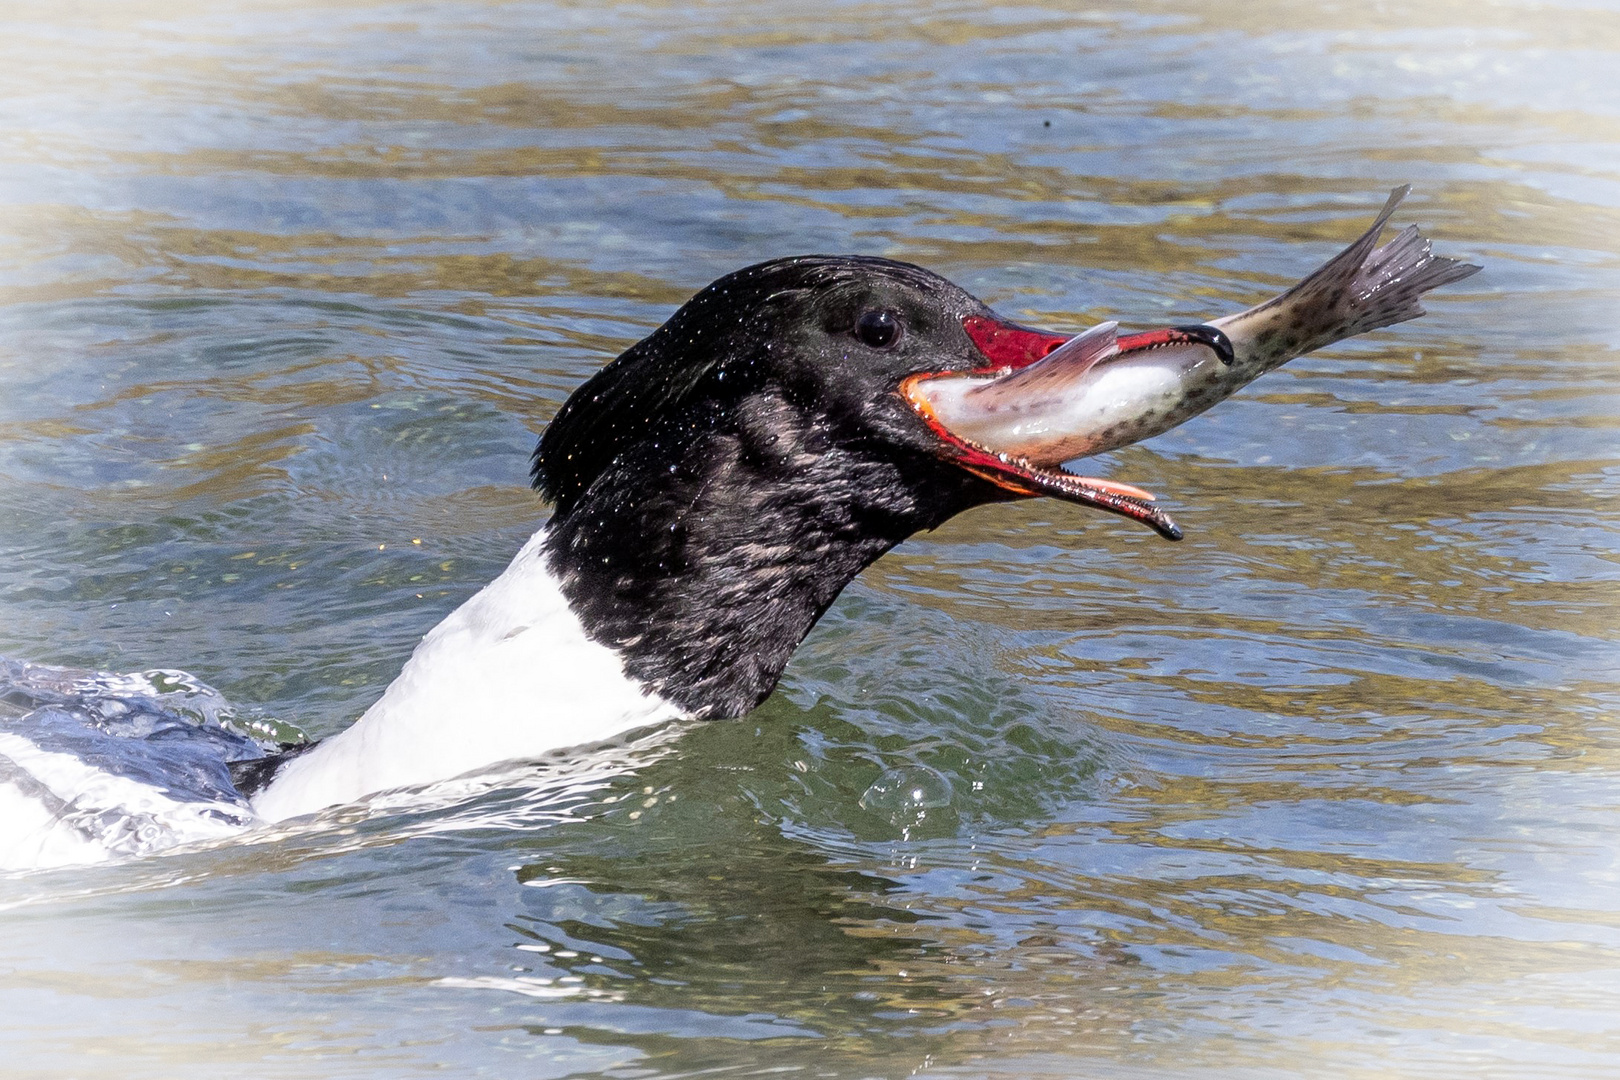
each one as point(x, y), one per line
point(1332, 788)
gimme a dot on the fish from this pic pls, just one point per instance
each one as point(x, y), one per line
point(1102, 389)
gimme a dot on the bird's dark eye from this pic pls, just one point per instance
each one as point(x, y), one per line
point(879, 329)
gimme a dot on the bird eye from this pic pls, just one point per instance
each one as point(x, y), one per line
point(879, 329)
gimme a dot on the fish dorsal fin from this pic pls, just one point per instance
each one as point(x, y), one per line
point(1060, 367)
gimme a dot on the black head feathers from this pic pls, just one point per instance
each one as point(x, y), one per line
point(718, 347)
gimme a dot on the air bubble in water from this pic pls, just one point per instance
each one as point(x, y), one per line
point(907, 792)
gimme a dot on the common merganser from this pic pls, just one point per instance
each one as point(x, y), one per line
point(714, 489)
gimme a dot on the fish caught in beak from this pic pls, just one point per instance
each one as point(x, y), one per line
point(1023, 368)
point(1043, 399)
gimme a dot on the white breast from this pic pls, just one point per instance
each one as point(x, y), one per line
point(508, 675)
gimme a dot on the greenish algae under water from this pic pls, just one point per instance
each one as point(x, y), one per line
point(1331, 788)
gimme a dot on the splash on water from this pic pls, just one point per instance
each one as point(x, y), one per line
point(96, 764)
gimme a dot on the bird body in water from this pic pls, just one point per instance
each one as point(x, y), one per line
point(714, 489)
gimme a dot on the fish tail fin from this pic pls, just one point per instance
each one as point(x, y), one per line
point(1395, 277)
point(1364, 287)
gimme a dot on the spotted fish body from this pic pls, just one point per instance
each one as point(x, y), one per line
point(1102, 391)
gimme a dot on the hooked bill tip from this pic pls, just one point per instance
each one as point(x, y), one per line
point(1212, 336)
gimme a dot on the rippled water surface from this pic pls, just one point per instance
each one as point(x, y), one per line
point(1332, 788)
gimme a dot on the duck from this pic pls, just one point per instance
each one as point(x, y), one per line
point(712, 490)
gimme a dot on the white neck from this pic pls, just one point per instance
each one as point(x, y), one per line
point(507, 676)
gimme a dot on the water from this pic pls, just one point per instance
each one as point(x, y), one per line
point(1329, 789)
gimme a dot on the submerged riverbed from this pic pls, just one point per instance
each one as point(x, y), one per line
point(1331, 788)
